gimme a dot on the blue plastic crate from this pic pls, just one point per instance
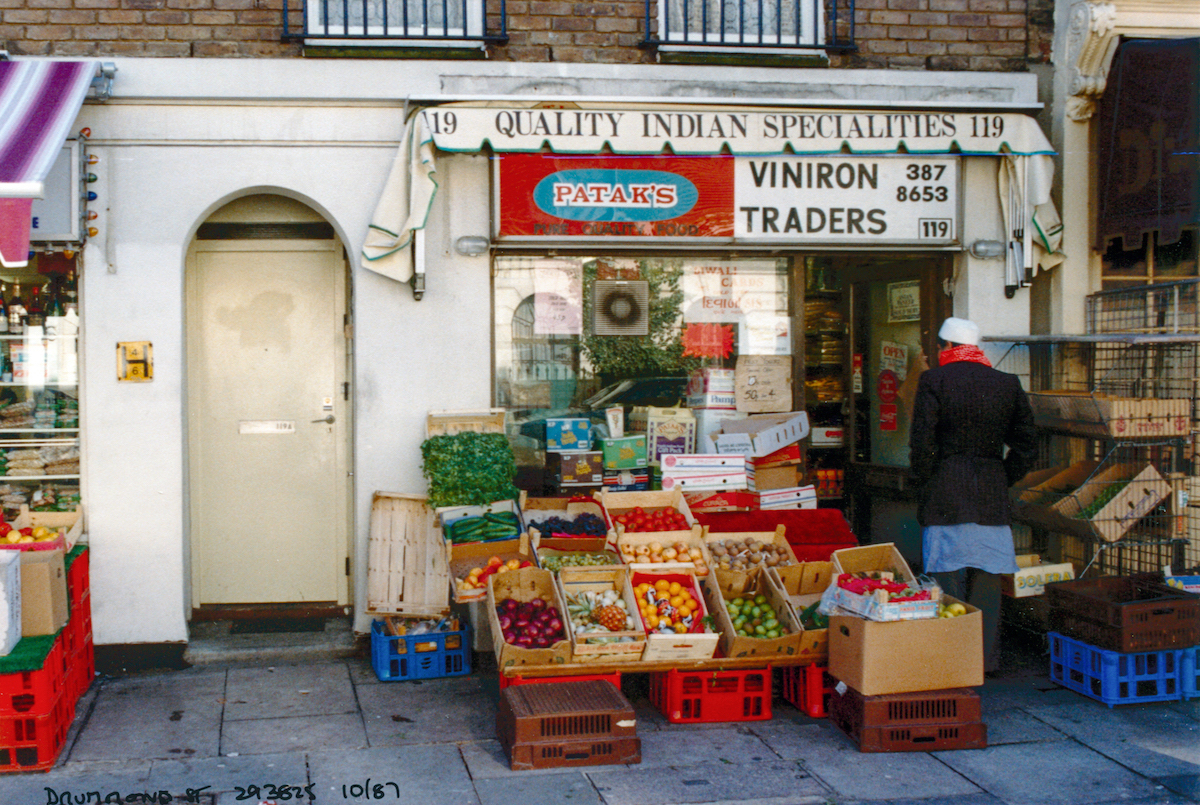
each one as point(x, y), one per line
point(1115, 678)
point(424, 656)
point(1189, 672)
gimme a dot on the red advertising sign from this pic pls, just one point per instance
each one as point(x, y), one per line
point(888, 386)
point(547, 195)
point(887, 416)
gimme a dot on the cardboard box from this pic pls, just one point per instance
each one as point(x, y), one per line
point(466, 557)
point(525, 585)
point(785, 456)
point(1103, 415)
point(877, 658)
point(714, 400)
point(799, 497)
point(789, 476)
point(775, 538)
point(625, 453)
point(669, 431)
point(803, 585)
point(615, 503)
point(759, 436)
point(721, 588)
point(696, 644)
point(585, 468)
point(728, 500)
point(703, 463)
point(627, 480)
point(539, 510)
point(1033, 576)
point(824, 436)
point(1137, 499)
point(708, 380)
point(882, 558)
point(10, 601)
point(763, 383)
point(626, 645)
point(568, 433)
point(740, 476)
point(708, 424)
point(43, 592)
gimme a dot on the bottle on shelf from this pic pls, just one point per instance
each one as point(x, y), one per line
point(35, 313)
point(54, 306)
point(16, 311)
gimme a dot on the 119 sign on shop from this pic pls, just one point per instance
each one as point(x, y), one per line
point(816, 200)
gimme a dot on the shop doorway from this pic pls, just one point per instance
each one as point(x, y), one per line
point(895, 307)
point(268, 415)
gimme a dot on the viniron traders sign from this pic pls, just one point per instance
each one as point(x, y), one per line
point(839, 199)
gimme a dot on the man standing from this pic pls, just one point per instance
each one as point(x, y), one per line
point(964, 415)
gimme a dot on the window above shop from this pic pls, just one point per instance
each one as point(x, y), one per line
point(780, 26)
point(396, 23)
point(1149, 260)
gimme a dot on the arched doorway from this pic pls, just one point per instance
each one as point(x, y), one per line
point(268, 412)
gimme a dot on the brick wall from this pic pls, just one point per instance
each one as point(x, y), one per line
point(1002, 35)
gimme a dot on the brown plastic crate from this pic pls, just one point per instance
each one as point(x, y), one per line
point(1125, 613)
point(928, 721)
point(570, 723)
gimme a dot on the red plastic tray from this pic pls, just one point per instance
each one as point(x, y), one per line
point(698, 697)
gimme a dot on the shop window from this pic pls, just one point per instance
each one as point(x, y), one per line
point(1149, 261)
point(576, 335)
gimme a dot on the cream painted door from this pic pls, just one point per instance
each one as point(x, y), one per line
point(267, 422)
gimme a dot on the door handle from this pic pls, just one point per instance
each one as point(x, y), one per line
point(327, 420)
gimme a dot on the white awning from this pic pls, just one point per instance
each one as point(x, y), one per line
point(593, 128)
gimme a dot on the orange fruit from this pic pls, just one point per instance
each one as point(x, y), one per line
point(652, 621)
point(680, 628)
point(676, 601)
point(662, 585)
point(674, 588)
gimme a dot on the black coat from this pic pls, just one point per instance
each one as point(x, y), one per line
point(963, 416)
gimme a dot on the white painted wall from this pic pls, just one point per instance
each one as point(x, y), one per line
point(183, 137)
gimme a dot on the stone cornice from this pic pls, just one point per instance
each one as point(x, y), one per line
point(1095, 29)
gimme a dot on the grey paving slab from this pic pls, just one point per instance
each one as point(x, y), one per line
point(321, 688)
point(793, 739)
point(74, 779)
point(1190, 708)
point(362, 672)
point(1150, 739)
point(259, 736)
point(707, 782)
point(230, 774)
point(412, 775)
point(155, 716)
point(966, 799)
point(1187, 785)
point(1003, 694)
point(1015, 725)
point(1028, 773)
point(557, 789)
point(452, 709)
point(678, 744)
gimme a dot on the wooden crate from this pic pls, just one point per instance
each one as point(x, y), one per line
point(448, 423)
point(596, 646)
point(408, 561)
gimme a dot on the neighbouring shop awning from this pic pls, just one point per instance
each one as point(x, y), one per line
point(1025, 173)
point(39, 101)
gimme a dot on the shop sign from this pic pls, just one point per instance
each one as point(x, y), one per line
point(888, 416)
point(55, 217)
point(847, 199)
point(545, 196)
point(904, 301)
point(804, 200)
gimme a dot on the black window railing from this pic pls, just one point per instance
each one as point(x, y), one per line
point(786, 24)
point(396, 20)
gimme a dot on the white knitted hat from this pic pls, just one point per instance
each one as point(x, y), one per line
point(959, 331)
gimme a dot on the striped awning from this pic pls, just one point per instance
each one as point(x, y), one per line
point(39, 101)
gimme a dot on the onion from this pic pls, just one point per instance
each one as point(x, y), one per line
point(541, 642)
point(552, 612)
point(509, 635)
point(555, 626)
point(525, 611)
point(506, 622)
point(520, 623)
point(510, 604)
point(537, 604)
point(533, 630)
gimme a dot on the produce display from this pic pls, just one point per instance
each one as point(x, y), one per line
point(530, 624)
point(811, 617)
point(592, 613)
point(753, 616)
point(883, 586)
point(477, 579)
point(665, 519)
point(469, 469)
point(557, 562)
point(747, 554)
point(951, 610)
point(657, 553)
point(584, 525)
point(22, 536)
point(667, 606)
point(484, 528)
point(1103, 499)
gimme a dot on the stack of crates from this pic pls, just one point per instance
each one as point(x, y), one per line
point(704, 697)
point(926, 721)
point(1124, 639)
point(570, 723)
point(43, 679)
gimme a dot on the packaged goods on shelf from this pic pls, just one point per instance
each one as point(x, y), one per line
point(624, 453)
point(669, 431)
point(568, 434)
point(698, 476)
point(799, 497)
point(637, 480)
point(709, 380)
point(1033, 576)
point(571, 470)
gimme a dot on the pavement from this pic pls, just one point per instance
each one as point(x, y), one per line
point(232, 730)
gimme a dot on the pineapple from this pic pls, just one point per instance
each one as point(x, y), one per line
point(611, 617)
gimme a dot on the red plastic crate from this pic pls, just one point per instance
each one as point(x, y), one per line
point(696, 697)
point(82, 670)
point(78, 578)
point(32, 743)
point(807, 688)
point(80, 625)
point(35, 692)
point(517, 679)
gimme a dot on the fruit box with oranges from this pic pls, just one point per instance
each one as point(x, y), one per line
point(687, 633)
point(723, 588)
point(614, 645)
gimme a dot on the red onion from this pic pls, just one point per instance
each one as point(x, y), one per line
point(555, 626)
point(509, 635)
point(533, 630)
point(537, 604)
point(552, 612)
point(510, 604)
point(541, 642)
point(506, 622)
point(525, 641)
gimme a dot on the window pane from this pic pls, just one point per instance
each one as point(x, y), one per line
point(1176, 259)
point(1126, 263)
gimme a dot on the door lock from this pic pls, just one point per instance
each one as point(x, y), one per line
point(327, 420)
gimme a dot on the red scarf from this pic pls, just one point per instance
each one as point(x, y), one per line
point(963, 352)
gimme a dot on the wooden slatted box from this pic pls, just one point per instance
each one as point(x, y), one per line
point(408, 560)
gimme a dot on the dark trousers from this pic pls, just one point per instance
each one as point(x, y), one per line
point(982, 591)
